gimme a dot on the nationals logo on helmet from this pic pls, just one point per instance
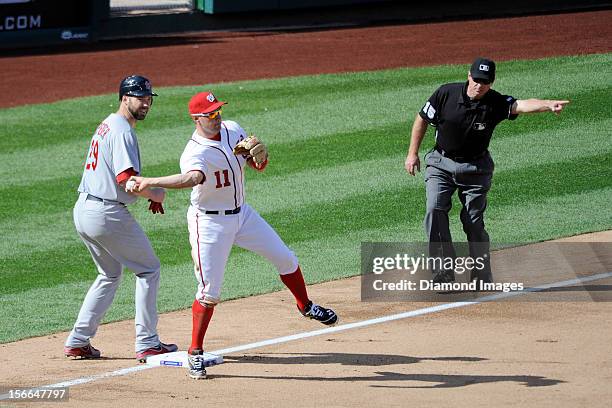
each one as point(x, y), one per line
point(211, 98)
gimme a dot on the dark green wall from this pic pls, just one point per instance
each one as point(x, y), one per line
point(94, 21)
point(228, 6)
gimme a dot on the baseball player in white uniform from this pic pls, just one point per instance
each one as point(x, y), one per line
point(110, 233)
point(213, 164)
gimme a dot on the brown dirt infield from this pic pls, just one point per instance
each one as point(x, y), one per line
point(549, 354)
point(494, 354)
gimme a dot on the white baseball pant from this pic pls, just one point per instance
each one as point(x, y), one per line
point(212, 238)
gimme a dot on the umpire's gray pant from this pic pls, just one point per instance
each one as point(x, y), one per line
point(114, 239)
point(472, 181)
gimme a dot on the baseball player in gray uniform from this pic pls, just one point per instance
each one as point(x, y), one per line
point(214, 164)
point(108, 230)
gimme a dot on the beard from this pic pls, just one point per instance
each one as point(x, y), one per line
point(138, 114)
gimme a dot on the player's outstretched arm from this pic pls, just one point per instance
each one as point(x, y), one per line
point(538, 105)
point(187, 180)
point(153, 194)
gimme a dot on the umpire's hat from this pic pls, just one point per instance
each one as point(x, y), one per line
point(483, 68)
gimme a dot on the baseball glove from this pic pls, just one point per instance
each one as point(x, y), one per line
point(252, 147)
point(156, 207)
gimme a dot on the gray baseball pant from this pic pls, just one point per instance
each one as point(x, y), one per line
point(472, 182)
point(114, 239)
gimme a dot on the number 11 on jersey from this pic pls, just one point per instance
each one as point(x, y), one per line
point(226, 182)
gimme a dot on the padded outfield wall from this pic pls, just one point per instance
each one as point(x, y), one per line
point(35, 23)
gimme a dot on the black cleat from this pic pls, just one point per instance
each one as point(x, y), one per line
point(319, 313)
point(197, 371)
point(443, 277)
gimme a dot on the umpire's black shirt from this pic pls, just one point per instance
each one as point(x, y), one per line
point(464, 127)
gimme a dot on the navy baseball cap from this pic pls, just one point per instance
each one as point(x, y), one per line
point(483, 68)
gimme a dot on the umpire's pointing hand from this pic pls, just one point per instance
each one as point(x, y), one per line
point(557, 106)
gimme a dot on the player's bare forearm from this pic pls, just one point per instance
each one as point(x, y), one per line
point(187, 180)
point(154, 194)
point(538, 105)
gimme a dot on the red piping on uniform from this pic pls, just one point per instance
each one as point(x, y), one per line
point(199, 260)
point(239, 166)
point(231, 168)
point(233, 174)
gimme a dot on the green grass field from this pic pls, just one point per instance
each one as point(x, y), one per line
point(336, 178)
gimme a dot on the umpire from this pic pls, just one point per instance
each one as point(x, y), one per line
point(464, 116)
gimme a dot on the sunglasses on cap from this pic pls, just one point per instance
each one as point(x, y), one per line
point(482, 81)
point(212, 115)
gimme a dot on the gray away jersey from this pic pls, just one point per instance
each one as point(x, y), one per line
point(113, 150)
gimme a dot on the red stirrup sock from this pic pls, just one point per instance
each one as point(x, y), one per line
point(201, 318)
point(295, 283)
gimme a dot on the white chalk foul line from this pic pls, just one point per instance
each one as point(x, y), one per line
point(336, 329)
point(405, 315)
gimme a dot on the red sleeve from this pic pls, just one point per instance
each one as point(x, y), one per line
point(260, 167)
point(125, 175)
